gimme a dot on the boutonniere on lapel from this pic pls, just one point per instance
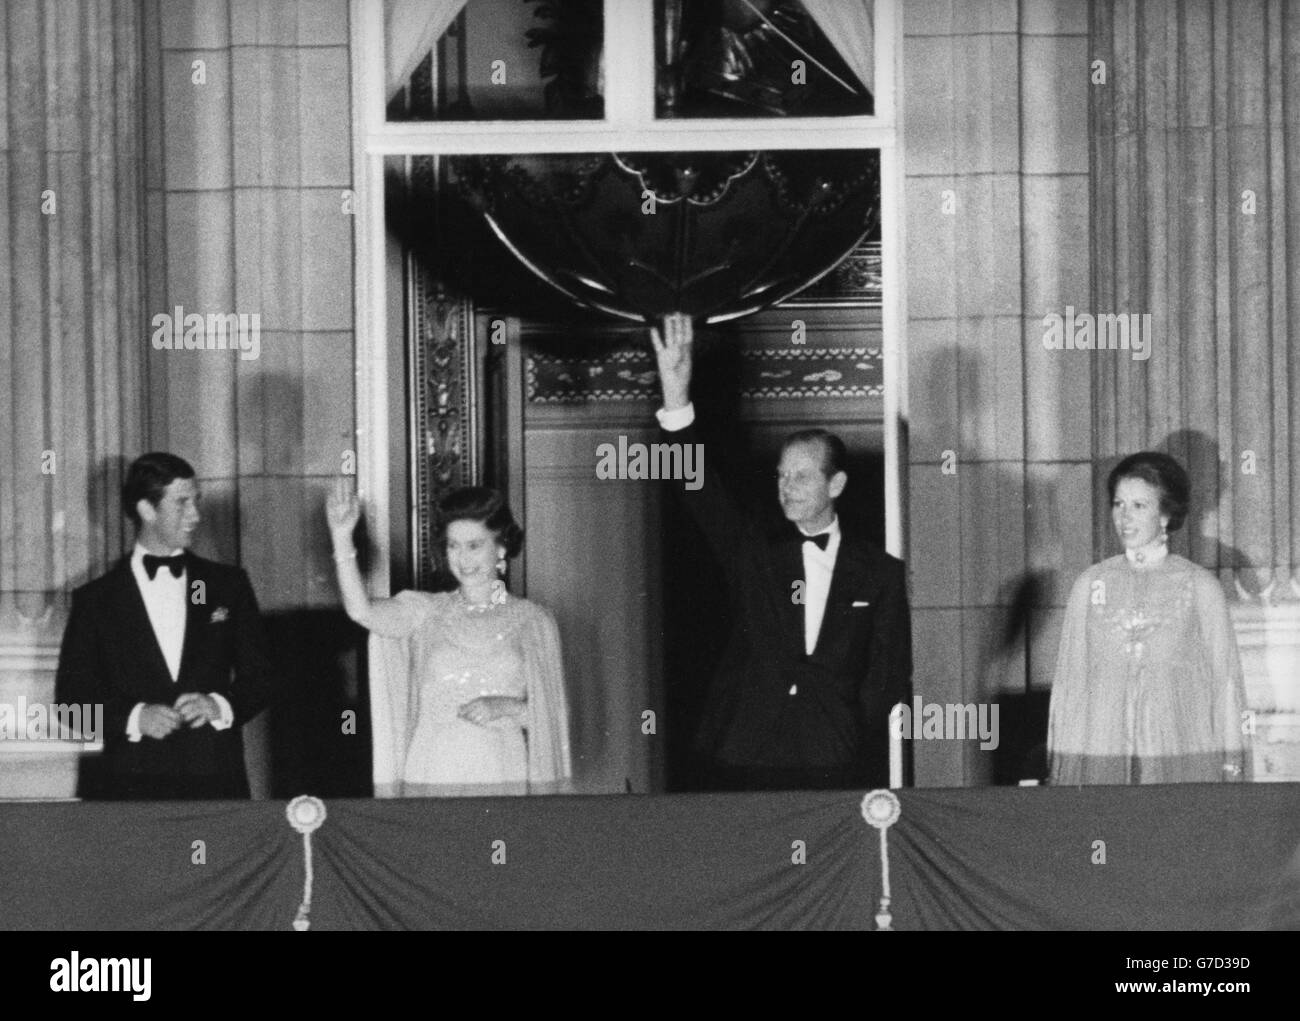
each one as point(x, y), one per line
point(219, 615)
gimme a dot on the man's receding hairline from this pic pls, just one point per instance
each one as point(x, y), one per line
point(822, 443)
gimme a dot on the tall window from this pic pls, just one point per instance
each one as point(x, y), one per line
point(520, 79)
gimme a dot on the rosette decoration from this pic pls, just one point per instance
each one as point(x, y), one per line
point(305, 814)
point(880, 810)
point(717, 235)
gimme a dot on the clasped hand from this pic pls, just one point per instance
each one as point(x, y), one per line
point(485, 710)
point(192, 709)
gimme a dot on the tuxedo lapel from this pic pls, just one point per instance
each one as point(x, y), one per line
point(850, 578)
point(137, 631)
point(195, 615)
point(787, 555)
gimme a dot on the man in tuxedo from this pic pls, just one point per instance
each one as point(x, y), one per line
point(172, 645)
point(821, 648)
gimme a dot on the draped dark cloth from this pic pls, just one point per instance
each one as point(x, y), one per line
point(1184, 856)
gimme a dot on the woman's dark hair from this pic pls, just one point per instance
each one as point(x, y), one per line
point(478, 503)
point(1164, 474)
point(148, 478)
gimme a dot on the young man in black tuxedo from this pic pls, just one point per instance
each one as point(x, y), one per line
point(172, 645)
point(822, 646)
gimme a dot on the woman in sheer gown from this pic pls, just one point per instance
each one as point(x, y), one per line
point(467, 689)
point(1148, 685)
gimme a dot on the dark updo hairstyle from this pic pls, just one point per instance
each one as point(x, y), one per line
point(148, 478)
point(1162, 473)
point(478, 503)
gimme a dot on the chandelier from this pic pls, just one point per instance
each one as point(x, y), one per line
point(717, 235)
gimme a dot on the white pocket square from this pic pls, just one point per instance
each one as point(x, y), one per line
point(858, 603)
point(218, 615)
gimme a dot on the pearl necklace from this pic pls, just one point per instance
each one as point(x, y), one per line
point(1149, 555)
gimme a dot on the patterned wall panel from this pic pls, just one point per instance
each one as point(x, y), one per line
point(631, 375)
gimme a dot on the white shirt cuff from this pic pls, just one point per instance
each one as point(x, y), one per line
point(227, 714)
point(133, 723)
point(677, 419)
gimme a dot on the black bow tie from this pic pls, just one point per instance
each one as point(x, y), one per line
point(822, 539)
point(175, 564)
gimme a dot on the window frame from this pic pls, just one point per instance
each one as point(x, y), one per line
point(629, 124)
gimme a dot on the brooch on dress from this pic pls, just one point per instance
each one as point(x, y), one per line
point(497, 598)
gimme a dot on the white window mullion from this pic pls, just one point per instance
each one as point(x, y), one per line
point(889, 37)
point(894, 361)
point(600, 136)
point(629, 62)
point(370, 286)
point(368, 63)
point(629, 122)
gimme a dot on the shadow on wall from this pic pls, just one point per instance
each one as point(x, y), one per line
point(105, 517)
point(320, 722)
point(1201, 456)
point(1001, 608)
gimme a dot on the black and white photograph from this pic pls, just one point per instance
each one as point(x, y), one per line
point(652, 465)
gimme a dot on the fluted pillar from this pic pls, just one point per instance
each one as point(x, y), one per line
point(1196, 220)
point(72, 336)
point(1195, 144)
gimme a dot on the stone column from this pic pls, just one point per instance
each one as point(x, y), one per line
point(72, 332)
point(995, 153)
point(1196, 135)
point(1195, 127)
point(249, 214)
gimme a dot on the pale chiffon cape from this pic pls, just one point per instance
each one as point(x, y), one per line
point(396, 660)
point(1148, 685)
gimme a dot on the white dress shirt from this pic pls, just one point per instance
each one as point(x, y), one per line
point(164, 601)
point(818, 564)
point(677, 419)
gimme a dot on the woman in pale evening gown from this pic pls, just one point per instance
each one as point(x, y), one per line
point(1148, 685)
point(466, 687)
